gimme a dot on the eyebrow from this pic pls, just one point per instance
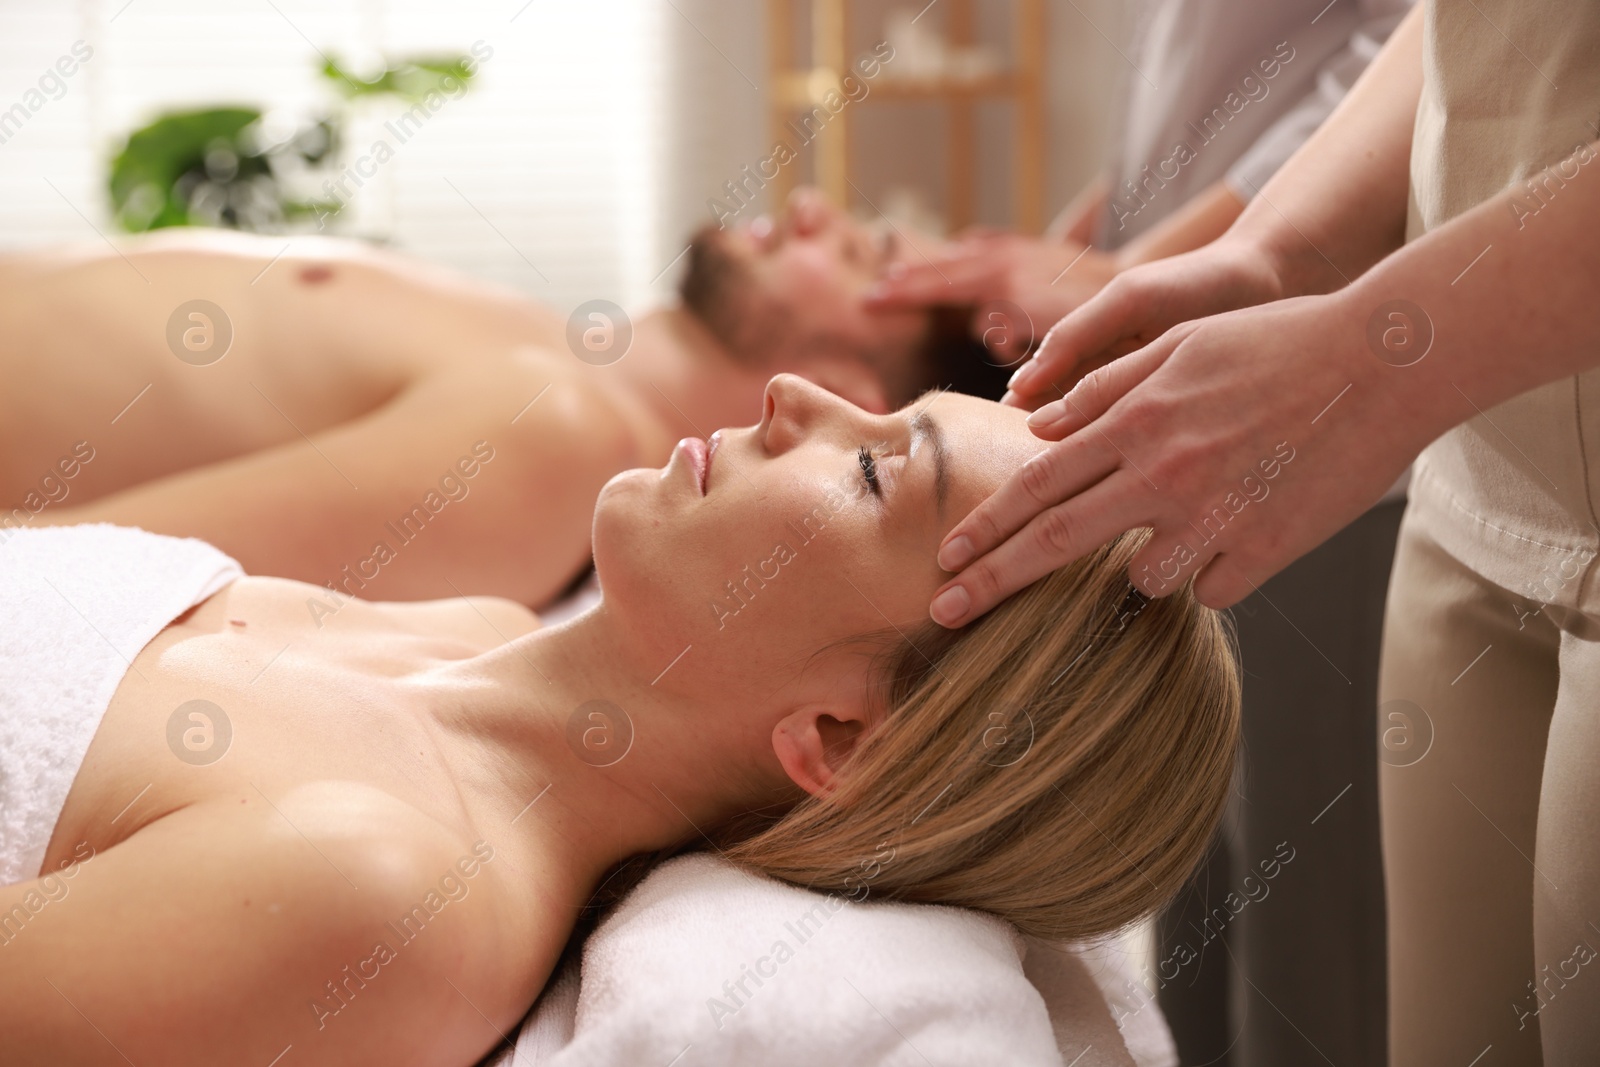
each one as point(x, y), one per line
point(923, 426)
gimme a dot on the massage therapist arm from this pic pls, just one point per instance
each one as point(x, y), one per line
point(1332, 211)
point(1046, 279)
point(1052, 277)
point(1165, 437)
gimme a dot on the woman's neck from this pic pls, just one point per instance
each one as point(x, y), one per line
point(572, 743)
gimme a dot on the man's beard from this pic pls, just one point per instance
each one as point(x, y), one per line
point(759, 331)
point(719, 291)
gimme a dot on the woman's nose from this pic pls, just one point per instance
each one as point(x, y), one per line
point(792, 406)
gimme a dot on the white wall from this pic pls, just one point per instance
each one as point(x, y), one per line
point(547, 167)
point(574, 168)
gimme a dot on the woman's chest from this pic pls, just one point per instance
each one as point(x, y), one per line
point(308, 765)
point(246, 696)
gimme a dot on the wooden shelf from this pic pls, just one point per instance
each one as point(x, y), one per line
point(947, 88)
point(805, 89)
point(799, 89)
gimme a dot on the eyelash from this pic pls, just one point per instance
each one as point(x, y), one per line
point(869, 471)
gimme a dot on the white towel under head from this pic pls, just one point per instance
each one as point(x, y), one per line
point(706, 964)
point(77, 603)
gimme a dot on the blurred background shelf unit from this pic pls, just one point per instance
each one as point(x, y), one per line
point(939, 59)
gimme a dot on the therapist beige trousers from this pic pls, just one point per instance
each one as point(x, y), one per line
point(1489, 736)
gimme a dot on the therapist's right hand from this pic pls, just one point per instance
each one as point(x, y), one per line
point(1138, 306)
point(1242, 441)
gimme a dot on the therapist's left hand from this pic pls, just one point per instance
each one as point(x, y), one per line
point(1243, 440)
point(1044, 279)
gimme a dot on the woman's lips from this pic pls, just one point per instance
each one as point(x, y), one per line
point(712, 444)
point(699, 457)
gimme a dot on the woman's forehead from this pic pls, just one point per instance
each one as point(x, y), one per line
point(985, 442)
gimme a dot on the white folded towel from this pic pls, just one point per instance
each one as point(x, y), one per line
point(706, 964)
point(77, 603)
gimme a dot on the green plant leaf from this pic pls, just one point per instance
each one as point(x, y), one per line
point(410, 79)
point(145, 173)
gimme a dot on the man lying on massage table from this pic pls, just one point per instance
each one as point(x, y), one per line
point(385, 428)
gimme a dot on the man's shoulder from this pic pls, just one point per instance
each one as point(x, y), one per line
point(556, 412)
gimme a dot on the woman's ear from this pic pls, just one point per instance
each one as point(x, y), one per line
point(812, 743)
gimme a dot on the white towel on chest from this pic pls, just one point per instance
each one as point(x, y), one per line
point(77, 603)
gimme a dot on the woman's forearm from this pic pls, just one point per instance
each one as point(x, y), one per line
point(1505, 292)
point(1339, 204)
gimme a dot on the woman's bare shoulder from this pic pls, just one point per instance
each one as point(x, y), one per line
point(333, 919)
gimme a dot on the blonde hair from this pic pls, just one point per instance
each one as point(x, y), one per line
point(1061, 763)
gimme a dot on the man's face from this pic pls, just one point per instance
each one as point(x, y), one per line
point(787, 288)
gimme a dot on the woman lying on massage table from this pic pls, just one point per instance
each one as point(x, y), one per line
point(419, 799)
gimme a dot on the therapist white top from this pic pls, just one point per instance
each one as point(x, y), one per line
point(1228, 90)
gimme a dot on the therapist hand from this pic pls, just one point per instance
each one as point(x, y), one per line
point(1141, 304)
point(1046, 279)
point(1243, 440)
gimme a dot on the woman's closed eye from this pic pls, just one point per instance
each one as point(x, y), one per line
point(869, 471)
